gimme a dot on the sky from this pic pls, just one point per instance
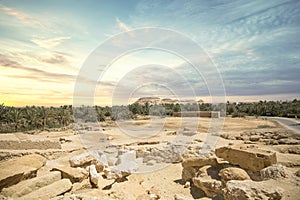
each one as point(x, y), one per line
point(253, 47)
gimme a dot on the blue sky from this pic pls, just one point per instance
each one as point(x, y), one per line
point(254, 44)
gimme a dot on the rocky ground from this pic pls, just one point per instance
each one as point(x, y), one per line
point(252, 159)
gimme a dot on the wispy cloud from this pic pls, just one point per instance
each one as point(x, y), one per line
point(56, 58)
point(122, 25)
point(51, 42)
point(22, 17)
point(34, 73)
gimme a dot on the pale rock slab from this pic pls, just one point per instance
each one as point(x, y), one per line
point(74, 174)
point(23, 168)
point(30, 185)
point(247, 158)
point(49, 191)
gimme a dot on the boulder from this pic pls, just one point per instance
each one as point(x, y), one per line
point(274, 172)
point(27, 186)
point(233, 173)
point(49, 191)
point(247, 189)
point(199, 162)
point(247, 158)
point(74, 174)
point(23, 168)
point(211, 187)
point(94, 176)
point(81, 160)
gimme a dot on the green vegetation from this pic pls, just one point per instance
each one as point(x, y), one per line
point(14, 119)
point(264, 108)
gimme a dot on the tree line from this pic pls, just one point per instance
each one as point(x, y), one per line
point(13, 119)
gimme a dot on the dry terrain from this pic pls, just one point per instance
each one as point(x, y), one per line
point(246, 158)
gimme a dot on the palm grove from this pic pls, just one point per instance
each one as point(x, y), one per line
point(13, 119)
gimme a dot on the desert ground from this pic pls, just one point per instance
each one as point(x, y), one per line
point(248, 158)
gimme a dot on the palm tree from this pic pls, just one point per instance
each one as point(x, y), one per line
point(31, 116)
point(64, 116)
point(3, 112)
point(15, 117)
point(44, 115)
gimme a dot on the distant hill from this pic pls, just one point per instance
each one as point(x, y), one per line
point(158, 101)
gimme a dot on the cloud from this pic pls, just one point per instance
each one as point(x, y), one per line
point(34, 73)
point(23, 17)
point(122, 25)
point(51, 42)
point(55, 59)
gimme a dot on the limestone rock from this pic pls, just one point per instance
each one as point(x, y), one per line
point(211, 187)
point(243, 190)
point(94, 176)
point(23, 168)
point(49, 191)
point(74, 174)
point(233, 173)
point(247, 158)
point(27, 186)
point(114, 173)
point(274, 172)
point(199, 162)
point(85, 184)
point(81, 160)
point(188, 173)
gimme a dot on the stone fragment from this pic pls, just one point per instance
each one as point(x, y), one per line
point(85, 184)
point(247, 189)
point(30, 185)
point(211, 187)
point(233, 173)
point(199, 161)
point(274, 172)
point(74, 174)
point(49, 191)
point(247, 158)
point(188, 173)
point(23, 168)
point(94, 176)
point(81, 160)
